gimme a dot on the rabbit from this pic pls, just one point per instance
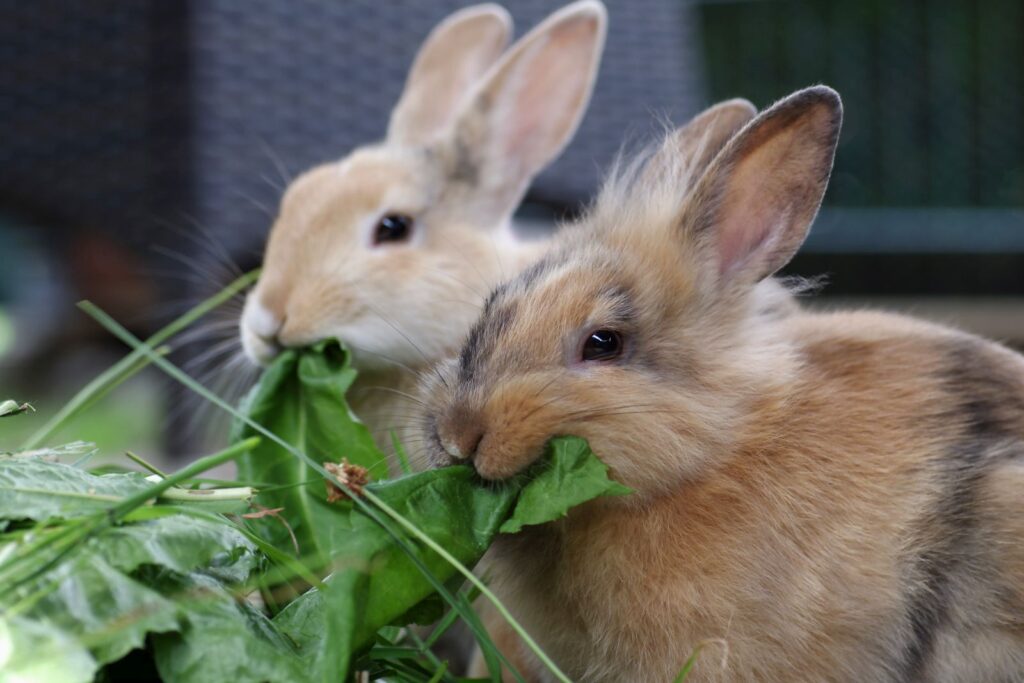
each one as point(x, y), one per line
point(392, 249)
point(817, 496)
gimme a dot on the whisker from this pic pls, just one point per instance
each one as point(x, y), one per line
point(475, 292)
point(427, 360)
point(263, 208)
point(396, 392)
point(387, 358)
point(207, 240)
point(276, 160)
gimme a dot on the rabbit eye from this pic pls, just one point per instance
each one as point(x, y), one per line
point(394, 227)
point(602, 345)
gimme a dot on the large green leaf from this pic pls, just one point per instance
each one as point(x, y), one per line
point(301, 398)
point(41, 653)
point(105, 609)
point(93, 594)
point(223, 638)
point(40, 490)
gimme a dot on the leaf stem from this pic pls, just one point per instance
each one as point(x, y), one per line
point(145, 465)
point(201, 465)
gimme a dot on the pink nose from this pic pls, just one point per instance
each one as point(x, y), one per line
point(262, 322)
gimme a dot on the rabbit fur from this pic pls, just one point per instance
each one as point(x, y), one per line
point(817, 496)
point(473, 126)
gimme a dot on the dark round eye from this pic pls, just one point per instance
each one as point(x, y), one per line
point(602, 345)
point(394, 227)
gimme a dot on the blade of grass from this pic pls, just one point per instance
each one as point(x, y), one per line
point(403, 457)
point(173, 371)
point(440, 673)
point(78, 531)
point(133, 362)
point(145, 465)
point(471, 577)
point(688, 666)
point(201, 465)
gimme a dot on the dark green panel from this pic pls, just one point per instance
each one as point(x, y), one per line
point(933, 89)
point(950, 108)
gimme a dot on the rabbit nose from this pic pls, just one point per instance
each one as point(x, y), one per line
point(464, 445)
point(461, 432)
point(261, 332)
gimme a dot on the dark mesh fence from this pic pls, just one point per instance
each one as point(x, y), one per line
point(120, 115)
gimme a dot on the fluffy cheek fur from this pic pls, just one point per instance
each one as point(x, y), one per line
point(652, 440)
point(401, 305)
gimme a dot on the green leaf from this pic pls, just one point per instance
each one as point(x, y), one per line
point(105, 609)
point(223, 639)
point(322, 624)
point(41, 653)
point(76, 450)
point(373, 582)
point(301, 398)
point(182, 544)
point(93, 593)
point(571, 475)
point(39, 490)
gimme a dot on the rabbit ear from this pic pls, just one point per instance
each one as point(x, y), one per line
point(528, 107)
point(699, 141)
point(755, 203)
point(454, 56)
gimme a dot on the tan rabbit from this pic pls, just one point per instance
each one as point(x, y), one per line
point(818, 497)
point(393, 248)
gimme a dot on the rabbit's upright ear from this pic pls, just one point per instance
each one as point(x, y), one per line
point(699, 141)
point(456, 54)
point(753, 207)
point(528, 107)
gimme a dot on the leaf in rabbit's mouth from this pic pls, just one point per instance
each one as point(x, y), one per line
point(301, 399)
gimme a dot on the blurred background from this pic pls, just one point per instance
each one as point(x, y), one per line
point(144, 147)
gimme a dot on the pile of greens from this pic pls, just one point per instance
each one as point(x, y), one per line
point(289, 573)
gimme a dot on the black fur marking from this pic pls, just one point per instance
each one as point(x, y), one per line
point(530, 276)
point(981, 395)
point(485, 334)
point(496, 317)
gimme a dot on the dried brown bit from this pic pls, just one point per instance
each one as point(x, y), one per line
point(262, 512)
point(351, 476)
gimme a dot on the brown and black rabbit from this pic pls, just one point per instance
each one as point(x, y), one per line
point(818, 496)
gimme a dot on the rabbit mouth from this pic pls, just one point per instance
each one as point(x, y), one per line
point(437, 454)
